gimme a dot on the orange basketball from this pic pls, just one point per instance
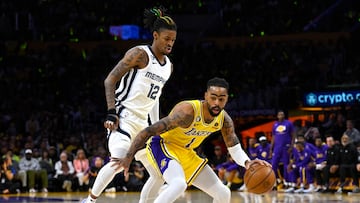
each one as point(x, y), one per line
point(259, 178)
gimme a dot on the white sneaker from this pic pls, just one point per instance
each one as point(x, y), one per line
point(339, 190)
point(310, 189)
point(300, 190)
point(32, 190)
point(44, 190)
point(289, 190)
point(111, 190)
point(318, 188)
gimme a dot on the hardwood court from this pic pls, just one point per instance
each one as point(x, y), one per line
point(191, 196)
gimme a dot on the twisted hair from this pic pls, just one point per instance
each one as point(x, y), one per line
point(156, 18)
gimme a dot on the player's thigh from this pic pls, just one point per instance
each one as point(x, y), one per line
point(118, 144)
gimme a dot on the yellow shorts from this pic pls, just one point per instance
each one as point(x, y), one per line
point(160, 153)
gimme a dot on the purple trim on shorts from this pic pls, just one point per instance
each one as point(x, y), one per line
point(162, 158)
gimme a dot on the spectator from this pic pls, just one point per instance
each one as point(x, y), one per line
point(64, 172)
point(7, 185)
point(47, 164)
point(81, 165)
point(98, 162)
point(13, 165)
point(352, 132)
point(348, 160)
point(135, 179)
point(332, 161)
point(218, 158)
point(33, 171)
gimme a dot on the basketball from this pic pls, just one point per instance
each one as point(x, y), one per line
point(259, 178)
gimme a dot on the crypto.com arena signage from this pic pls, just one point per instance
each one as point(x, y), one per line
point(335, 98)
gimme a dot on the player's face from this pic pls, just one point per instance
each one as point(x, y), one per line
point(216, 98)
point(164, 40)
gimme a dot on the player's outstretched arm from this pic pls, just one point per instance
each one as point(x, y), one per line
point(134, 58)
point(233, 145)
point(182, 115)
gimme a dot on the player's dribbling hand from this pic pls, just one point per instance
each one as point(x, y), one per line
point(112, 120)
point(257, 161)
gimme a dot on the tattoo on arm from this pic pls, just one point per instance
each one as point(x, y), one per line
point(178, 118)
point(228, 132)
point(134, 58)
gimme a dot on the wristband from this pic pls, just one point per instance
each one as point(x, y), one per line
point(111, 115)
point(238, 154)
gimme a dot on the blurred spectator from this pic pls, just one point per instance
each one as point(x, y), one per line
point(348, 160)
point(64, 172)
point(47, 164)
point(217, 159)
point(7, 185)
point(352, 132)
point(98, 162)
point(333, 158)
point(33, 172)
point(135, 179)
point(82, 167)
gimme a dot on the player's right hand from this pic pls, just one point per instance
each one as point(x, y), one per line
point(112, 120)
point(121, 163)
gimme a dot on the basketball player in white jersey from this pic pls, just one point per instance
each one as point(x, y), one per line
point(142, 73)
point(174, 138)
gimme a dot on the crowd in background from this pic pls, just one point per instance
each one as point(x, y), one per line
point(53, 100)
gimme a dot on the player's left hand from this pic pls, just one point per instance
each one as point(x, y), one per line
point(112, 120)
point(257, 161)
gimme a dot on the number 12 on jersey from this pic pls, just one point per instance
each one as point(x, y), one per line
point(154, 89)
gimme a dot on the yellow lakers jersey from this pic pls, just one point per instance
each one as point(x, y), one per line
point(193, 136)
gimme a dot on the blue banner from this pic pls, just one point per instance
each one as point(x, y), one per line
point(335, 98)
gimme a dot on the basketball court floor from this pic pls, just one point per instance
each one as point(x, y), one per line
point(191, 196)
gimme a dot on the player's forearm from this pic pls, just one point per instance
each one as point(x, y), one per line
point(239, 155)
point(138, 143)
point(110, 92)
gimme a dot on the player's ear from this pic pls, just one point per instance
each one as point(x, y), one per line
point(155, 35)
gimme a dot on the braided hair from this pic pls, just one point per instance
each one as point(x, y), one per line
point(156, 18)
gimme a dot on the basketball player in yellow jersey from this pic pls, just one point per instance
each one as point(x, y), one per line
point(174, 137)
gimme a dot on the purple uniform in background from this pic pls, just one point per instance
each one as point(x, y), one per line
point(320, 153)
point(282, 137)
point(264, 152)
point(301, 168)
point(253, 151)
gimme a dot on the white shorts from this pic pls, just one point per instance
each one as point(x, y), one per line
point(129, 126)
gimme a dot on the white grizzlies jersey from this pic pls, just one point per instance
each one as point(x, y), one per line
point(139, 89)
